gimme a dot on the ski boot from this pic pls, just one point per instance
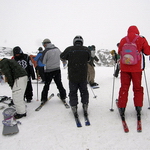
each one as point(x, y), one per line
point(138, 109)
point(85, 108)
point(74, 110)
point(121, 111)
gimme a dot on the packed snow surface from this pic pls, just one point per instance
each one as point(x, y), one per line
point(54, 128)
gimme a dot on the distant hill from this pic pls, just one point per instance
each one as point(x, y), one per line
point(105, 58)
point(5, 52)
point(103, 55)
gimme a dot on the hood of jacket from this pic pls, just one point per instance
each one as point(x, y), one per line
point(50, 45)
point(132, 32)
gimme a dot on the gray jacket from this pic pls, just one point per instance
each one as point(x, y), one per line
point(51, 58)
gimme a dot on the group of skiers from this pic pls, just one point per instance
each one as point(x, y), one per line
point(80, 65)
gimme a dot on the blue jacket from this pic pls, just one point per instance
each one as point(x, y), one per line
point(38, 59)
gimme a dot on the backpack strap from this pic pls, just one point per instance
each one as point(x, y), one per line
point(133, 39)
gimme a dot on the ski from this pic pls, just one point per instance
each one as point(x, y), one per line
point(64, 101)
point(139, 123)
point(124, 124)
point(139, 126)
point(76, 116)
point(125, 127)
point(87, 121)
point(42, 104)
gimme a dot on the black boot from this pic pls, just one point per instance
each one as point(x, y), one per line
point(85, 108)
point(138, 109)
point(121, 111)
point(74, 110)
point(18, 116)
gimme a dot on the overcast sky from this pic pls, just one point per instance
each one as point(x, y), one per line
point(102, 23)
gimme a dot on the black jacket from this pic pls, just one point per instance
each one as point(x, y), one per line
point(78, 57)
point(25, 61)
point(12, 70)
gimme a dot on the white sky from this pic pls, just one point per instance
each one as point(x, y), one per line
point(100, 22)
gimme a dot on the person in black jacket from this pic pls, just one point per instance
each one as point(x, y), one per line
point(78, 57)
point(16, 77)
point(25, 62)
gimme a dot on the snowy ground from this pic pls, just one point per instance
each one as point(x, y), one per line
point(54, 128)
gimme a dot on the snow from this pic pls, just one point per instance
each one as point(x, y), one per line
point(54, 128)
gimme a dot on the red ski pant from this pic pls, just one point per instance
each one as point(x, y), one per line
point(126, 78)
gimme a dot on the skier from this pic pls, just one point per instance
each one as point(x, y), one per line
point(91, 65)
point(132, 72)
point(116, 58)
point(25, 61)
point(40, 65)
point(51, 60)
point(16, 77)
point(78, 57)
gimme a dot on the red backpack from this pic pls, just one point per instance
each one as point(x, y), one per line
point(129, 54)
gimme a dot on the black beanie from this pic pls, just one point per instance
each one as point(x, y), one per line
point(17, 50)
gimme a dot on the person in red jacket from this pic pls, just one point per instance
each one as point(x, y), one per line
point(132, 72)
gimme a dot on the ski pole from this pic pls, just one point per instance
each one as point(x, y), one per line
point(92, 91)
point(147, 89)
point(111, 109)
point(37, 85)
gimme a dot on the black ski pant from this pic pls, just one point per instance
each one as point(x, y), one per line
point(83, 93)
point(41, 72)
point(29, 90)
point(56, 76)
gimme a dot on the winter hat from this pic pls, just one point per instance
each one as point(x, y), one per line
point(93, 48)
point(89, 47)
point(45, 41)
point(40, 49)
point(112, 52)
point(17, 50)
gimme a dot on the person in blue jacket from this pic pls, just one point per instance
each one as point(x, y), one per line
point(40, 65)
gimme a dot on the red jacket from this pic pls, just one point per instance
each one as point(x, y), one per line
point(142, 46)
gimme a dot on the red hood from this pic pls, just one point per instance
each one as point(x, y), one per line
point(132, 30)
